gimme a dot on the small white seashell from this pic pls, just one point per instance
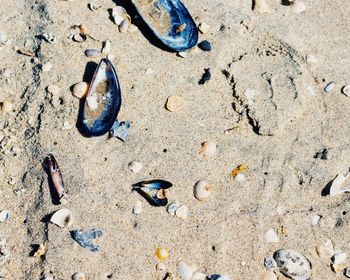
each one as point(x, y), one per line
point(135, 166)
point(315, 219)
point(311, 58)
point(175, 103)
point(106, 47)
point(46, 67)
point(123, 26)
point(118, 11)
point(183, 54)
point(67, 125)
point(268, 275)
point(185, 271)
point(208, 148)
point(240, 177)
point(261, 7)
point(172, 207)
point(293, 264)
point(346, 90)
point(79, 37)
point(62, 218)
point(339, 258)
point(325, 249)
point(53, 89)
point(80, 89)
point(199, 276)
point(6, 106)
point(271, 236)
point(93, 7)
point(182, 212)
point(91, 53)
point(78, 276)
point(298, 7)
point(347, 272)
point(4, 216)
point(340, 184)
point(329, 87)
point(3, 37)
point(137, 210)
point(92, 102)
point(202, 190)
point(203, 27)
point(132, 28)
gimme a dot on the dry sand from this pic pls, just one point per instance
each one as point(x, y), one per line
point(277, 135)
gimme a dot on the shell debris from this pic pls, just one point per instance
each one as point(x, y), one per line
point(346, 90)
point(239, 169)
point(41, 251)
point(185, 271)
point(106, 48)
point(261, 7)
point(298, 7)
point(135, 166)
point(78, 276)
point(208, 148)
point(172, 207)
point(137, 209)
point(329, 87)
point(175, 103)
point(162, 253)
point(203, 27)
point(62, 218)
point(202, 190)
point(6, 106)
point(182, 212)
point(4, 216)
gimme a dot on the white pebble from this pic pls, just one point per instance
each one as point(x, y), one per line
point(137, 210)
point(315, 219)
point(182, 212)
point(240, 177)
point(346, 90)
point(172, 207)
point(53, 89)
point(46, 67)
point(183, 54)
point(339, 258)
point(329, 87)
point(261, 7)
point(3, 37)
point(135, 166)
point(4, 216)
point(203, 27)
point(299, 7)
point(271, 236)
point(185, 271)
point(311, 58)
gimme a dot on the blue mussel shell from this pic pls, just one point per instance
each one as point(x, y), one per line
point(170, 22)
point(150, 189)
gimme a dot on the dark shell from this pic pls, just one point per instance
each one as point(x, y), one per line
point(170, 22)
point(105, 88)
point(216, 277)
point(85, 238)
point(149, 190)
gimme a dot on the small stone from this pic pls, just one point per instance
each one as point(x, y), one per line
point(172, 207)
point(325, 249)
point(240, 177)
point(175, 103)
point(315, 219)
point(198, 276)
point(46, 67)
point(185, 271)
point(4, 216)
point(270, 263)
point(203, 27)
point(205, 46)
point(268, 275)
point(346, 90)
point(329, 87)
point(6, 106)
point(311, 58)
point(137, 210)
point(53, 89)
point(299, 7)
point(337, 268)
point(339, 258)
point(182, 212)
point(3, 37)
point(135, 166)
point(80, 89)
point(106, 47)
point(91, 53)
point(261, 7)
point(271, 236)
point(205, 77)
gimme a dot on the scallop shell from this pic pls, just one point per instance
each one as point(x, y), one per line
point(102, 103)
point(78, 276)
point(202, 190)
point(62, 218)
point(208, 148)
point(293, 264)
point(170, 22)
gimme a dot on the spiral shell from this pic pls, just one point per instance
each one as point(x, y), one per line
point(202, 190)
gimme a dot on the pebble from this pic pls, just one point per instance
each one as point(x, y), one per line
point(53, 89)
point(299, 7)
point(162, 253)
point(182, 212)
point(311, 58)
point(325, 249)
point(261, 7)
point(240, 177)
point(205, 46)
point(205, 77)
point(175, 103)
point(91, 53)
point(208, 148)
point(199, 276)
point(271, 236)
point(67, 125)
point(137, 210)
point(4, 216)
point(135, 166)
point(182, 54)
point(346, 90)
point(270, 263)
point(203, 27)
point(6, 106)
point(106, 49)
point(46, 67)
point(268, 275)
point(315, 219)
point(329, 87)
point(339, 258)
point(80, 89)
point(3, 37)
point(172, 207)
point(78, 276)
point(185, 271)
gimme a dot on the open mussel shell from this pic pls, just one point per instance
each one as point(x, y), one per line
point(154, 191)
point(102, 102)
point(170, 22)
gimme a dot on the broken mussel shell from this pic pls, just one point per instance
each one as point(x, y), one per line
point(170, 22)
point(293, 264)
point(102, 102)
point(154, 191)
point(85, 238)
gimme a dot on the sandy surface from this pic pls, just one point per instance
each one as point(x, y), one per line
point(277, 135)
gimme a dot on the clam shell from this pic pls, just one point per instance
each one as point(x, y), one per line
point(78, 276)
point(4, 216)
point(172, 207)
point(208, 148)
point(170, 22)
point(62, 218)
point(151, 191)
point(80, 89)
point(293, 264)
point(123, 26)
point(118, 14)
point(137, 210)
point(182, 212)
point(202, 190)
point(340, 184)
point(135, 166)
point(6, 106)
point(105, 89)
